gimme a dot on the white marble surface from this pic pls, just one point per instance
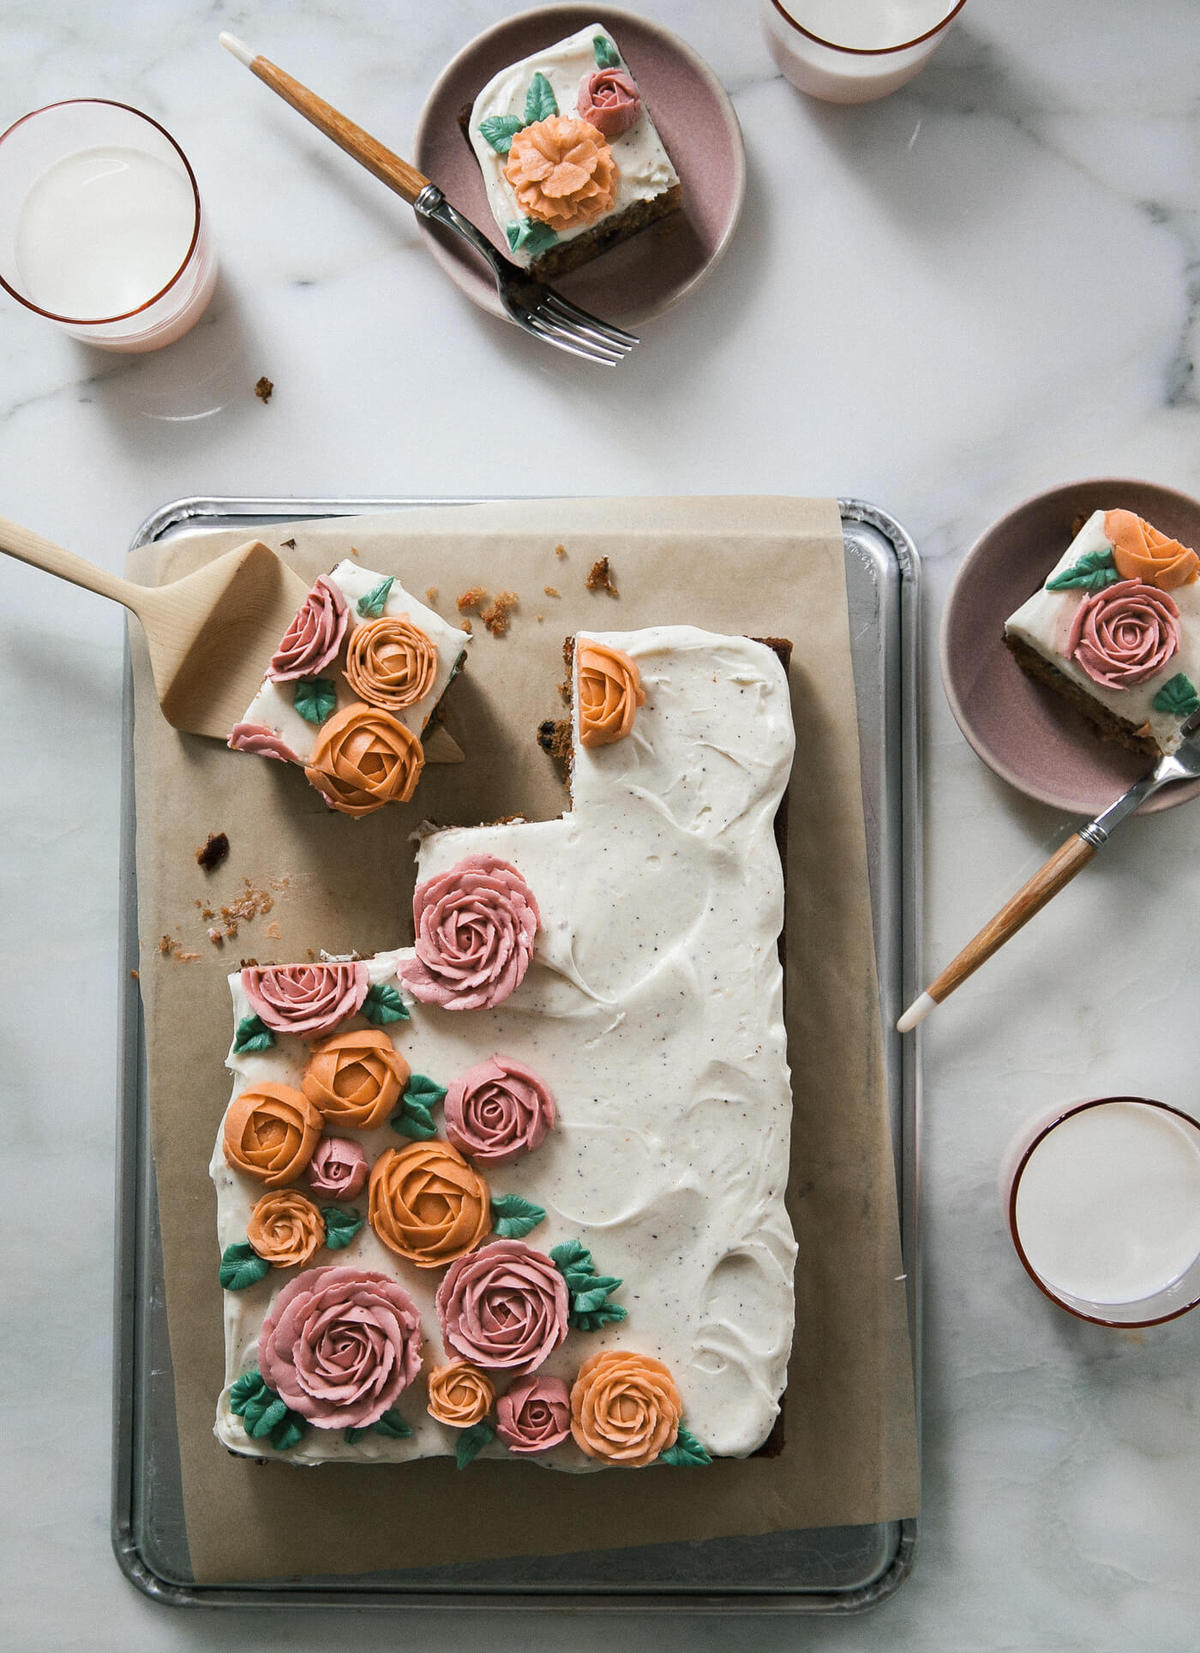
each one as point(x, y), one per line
point(942, 303)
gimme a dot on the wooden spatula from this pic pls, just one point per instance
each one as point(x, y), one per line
point(210, 635)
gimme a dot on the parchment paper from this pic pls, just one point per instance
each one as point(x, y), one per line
point(756, 566)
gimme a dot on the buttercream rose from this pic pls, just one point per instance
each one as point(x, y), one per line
point(1141, 552)
point(534, 1415)
point(285, 1228)
point(339, 1345)
point(475, 926)
point(497, 1111)
point(562, 172)
point(610, 692)
point(270, 1132)
point(391, 662)
point(355, 1078)
point(263, 742)
point(338, 1168)
point(1124, 634)
point(314, 636)
point(427, 1204)
point(503, 1307)
point(305, 999)
point(365, 758)
point(609, 100)
point(625, 1408)
point(460, 1395)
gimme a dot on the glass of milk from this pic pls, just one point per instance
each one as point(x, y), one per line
point(101, 228)
point(1103, 1205)
point(852, 51)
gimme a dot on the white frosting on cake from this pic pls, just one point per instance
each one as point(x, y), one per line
point(1044, 622)
point(645, 167)
point(653, 1008)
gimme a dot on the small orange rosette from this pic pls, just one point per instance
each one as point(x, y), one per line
point(427, 1204)
point(610, 692)
point(365, 758)
point(270, 1132)
point(355, 1079)
point(285, 1228)
point(562, 172)
point(1141, 552)
point(625, 1408)
point(391, 662)
point(460, 1394)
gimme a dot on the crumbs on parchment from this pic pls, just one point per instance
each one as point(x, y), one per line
point(170, 947)
point(551, 591)
point(496, 615)
point(431, 592)
point(600, 578)
point(470, 599)
point(212, 852)
point(560, 550)
point(263, 389)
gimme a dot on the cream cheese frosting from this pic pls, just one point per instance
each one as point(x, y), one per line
point(652, 1011)
point(1051, 621)
point(644, 167)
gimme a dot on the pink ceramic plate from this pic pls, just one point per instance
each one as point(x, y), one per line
point(1021, 729)
point(695, 119)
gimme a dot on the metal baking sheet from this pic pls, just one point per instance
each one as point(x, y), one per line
point(827, 1569)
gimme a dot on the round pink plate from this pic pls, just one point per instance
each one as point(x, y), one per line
point(695, 119)
point(1022, 730)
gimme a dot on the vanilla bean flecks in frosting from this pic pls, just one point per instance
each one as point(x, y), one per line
point(503, 1307)
point(427, 1204)
point(314, 636)
point(391, 663)
point(497, 1111)
point(460, 1395)
point(263, 742)
point(305, 999)
point(355, 1078)
point(363, 758)
point(609, 100)
point(338, 1168)
point(1124, 634)
point(1142, 552)
point(475, 926)
point(339, 1345)
point(610, 691)
point(534, 1415)
point(285, 1228)
point(270, 1132)
point(625, 1408)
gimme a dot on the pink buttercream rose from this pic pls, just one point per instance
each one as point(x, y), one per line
point(497, 1111)
point(314, 636)
point(534, 1415)
point(474, 926)
point(609, 100)
point(264, 742)
point(1124, 634)
point(338, 1168)
point(339, 1344)
point(306, 999)
point(503, 1307)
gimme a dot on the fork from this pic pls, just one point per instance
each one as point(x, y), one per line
point(529, 302)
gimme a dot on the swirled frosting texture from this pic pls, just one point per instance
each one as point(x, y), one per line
point(610, 691)
point(427, 1204)
point(305, 999)
point(314, 637)
point(534, 1415)
point(391, 663)
point(562, 173)
point(504, 1307)
point(475, 926)
point(365, 758)
point(1124, 634)
point(625, 1408)
point(497, 1111)
point(355, 1078)
point(339, 1345)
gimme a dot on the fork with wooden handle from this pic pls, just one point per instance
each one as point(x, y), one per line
point(1067, 860)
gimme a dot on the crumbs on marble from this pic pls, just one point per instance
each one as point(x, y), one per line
point(600, 578)
point(263, 389)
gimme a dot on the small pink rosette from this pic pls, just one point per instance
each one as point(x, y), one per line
point(610, 101)
point(338, 1168)
point(1124, 634)
point(534, 1415)
point(306, 999)
point(497, 1111)
point(314, 636)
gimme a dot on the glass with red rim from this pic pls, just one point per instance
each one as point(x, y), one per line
point(853, 51)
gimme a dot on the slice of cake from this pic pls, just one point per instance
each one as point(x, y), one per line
point(1116, 629)
point(351, 691)
point(569, 154)
point(519, 1188)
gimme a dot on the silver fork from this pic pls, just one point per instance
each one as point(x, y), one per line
point(531, 304)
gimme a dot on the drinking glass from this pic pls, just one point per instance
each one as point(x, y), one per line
point(101, 227)
point(852, 51)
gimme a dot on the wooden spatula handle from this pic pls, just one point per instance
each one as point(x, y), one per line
point(42, 553)
point(377, 159)
point(1029, 899)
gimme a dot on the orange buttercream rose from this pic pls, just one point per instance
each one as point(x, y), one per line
point(356, 1078)
point(1142, 553)
point(610, 692)
point(285, 1228)
point(625, 1408)
point(428, 1204)
point(270, 1133)
point(562, 172)
point(460, 1394)
point(391, 663)
point(364, 758)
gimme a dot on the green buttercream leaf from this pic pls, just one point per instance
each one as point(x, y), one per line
point(252, 1034)
point(687, 1453)
point(414, 1119)
point(569, 1254)
point(288, 1433)
point(241, 1266)
point(266, 1416)
point(608, 1314)
point(424, 1090)
point(540, 102)
point(340, 1226)
point(393, 1426)
point(513, 1217)
point(589, 1305)
point(531, 236)
point(1177, 697)
point(607, 55)
point(383, 1004)
point(372, 605)
point(472, 1442)
point(1093, 571)
point(314, 698)
point(500, 130)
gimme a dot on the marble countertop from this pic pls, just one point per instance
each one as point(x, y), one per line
point(981, 287)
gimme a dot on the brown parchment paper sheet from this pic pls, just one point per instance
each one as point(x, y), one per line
point(736, 565)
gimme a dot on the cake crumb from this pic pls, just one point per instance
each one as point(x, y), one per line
point(560, 550)
point(354, 551)
point(213, 852)
point(470, 599)
point(263, 389)
point(600, 578)
point(539, 618)
point(466, 626)
point(498, 617)
point(216, 937)
point(431, 592)
point(167, 945)
point(287, 545)
point(273, 931)
point(551, 591)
